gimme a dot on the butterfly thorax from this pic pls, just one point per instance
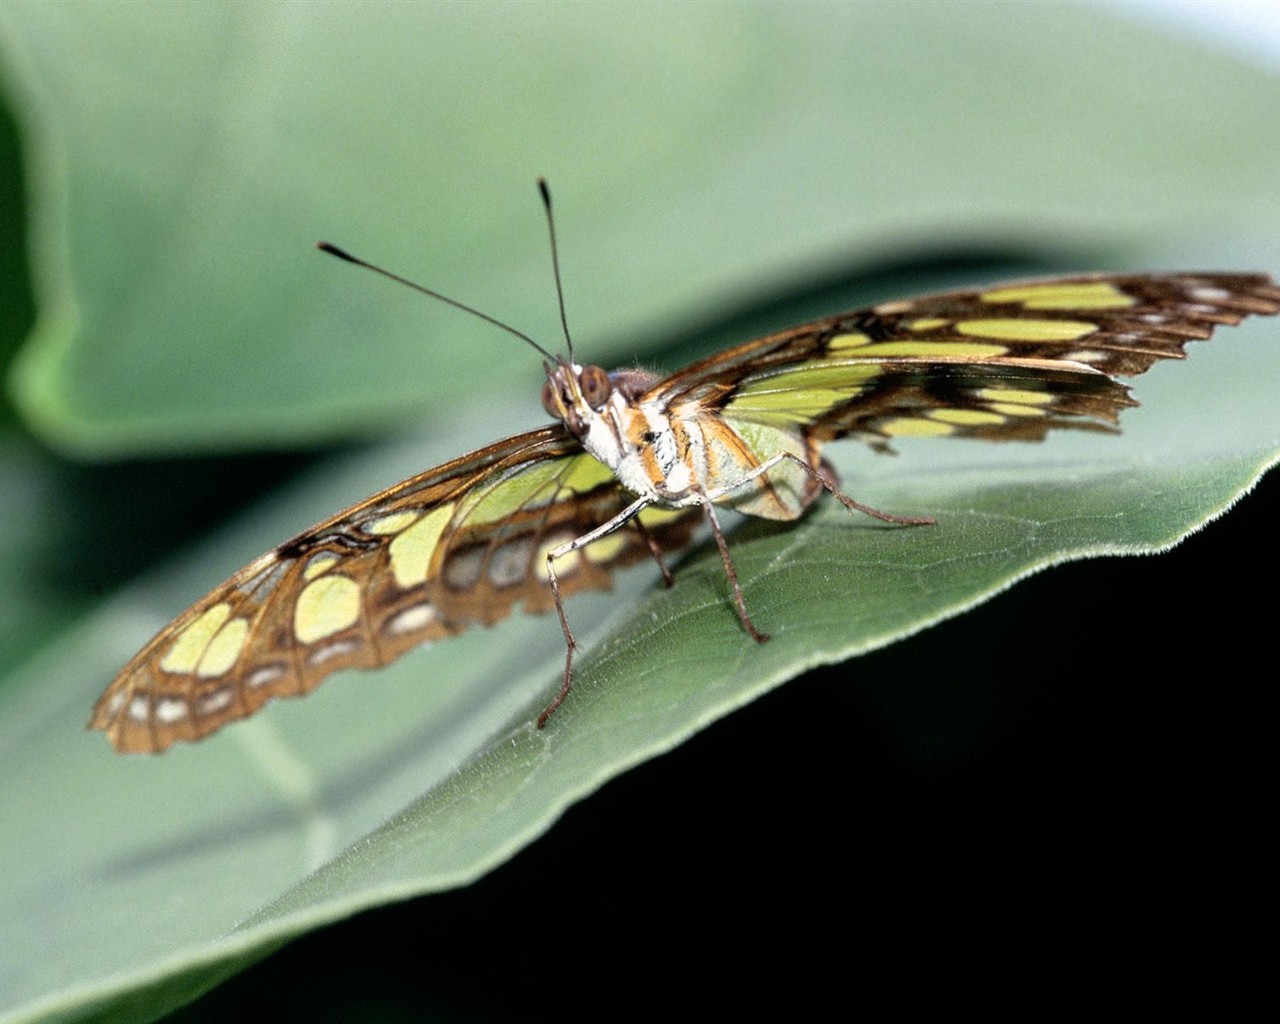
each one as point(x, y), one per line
point(676, 453)
point(652, 452)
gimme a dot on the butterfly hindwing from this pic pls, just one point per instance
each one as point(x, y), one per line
point(457, 546)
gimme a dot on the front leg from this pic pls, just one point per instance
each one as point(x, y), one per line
point(616, 523)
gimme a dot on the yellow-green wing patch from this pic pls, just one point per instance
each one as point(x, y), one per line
point(1003, 363)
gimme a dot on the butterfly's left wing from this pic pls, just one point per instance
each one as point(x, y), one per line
point(457, 546)
point(1003, 363)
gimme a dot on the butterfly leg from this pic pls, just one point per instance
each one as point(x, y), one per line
point(603, 530)
point(825, 475)
point(732, 573)
point(667, 579)
point(709, 497)
point(825, 479)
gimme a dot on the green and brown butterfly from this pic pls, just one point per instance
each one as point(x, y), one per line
point(634, 463)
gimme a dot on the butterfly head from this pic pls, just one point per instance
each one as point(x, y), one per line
point(575, 394)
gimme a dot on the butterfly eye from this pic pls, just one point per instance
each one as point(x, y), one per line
point(549, 400)
point(595, 386)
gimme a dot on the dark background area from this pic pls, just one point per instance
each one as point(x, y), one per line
point(1037, 805)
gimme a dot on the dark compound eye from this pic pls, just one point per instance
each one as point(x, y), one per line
point(595, 386)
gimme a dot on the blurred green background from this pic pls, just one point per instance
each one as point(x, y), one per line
point(1059, 790)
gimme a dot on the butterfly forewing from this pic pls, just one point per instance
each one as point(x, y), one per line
point(1003, 363)
point(457, 546)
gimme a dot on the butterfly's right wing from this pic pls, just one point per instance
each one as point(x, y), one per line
point(455, 546)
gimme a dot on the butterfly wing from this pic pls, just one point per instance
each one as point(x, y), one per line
point(1003, 363)
point(456, 546)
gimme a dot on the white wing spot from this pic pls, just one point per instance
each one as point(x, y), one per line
point(333, 650)
point(1207, 293)
point(215, 701)
point(139, 709)
point(412, 618)
point(264, 675)
point(510, 563)
point(171, 709)
point(462, 571)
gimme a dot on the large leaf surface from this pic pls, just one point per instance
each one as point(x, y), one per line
point(427, 774)
point(181, 163)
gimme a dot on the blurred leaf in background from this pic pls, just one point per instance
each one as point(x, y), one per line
point(719, 171)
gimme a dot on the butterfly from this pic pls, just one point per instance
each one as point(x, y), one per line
point(634, 463)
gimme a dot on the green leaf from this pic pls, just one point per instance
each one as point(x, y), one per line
point(183, 159)
point(427, 774)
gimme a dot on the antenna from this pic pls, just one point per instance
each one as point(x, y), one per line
point(555, 261)
point(342, 254)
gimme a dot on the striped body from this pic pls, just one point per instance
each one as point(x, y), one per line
point(674, 454)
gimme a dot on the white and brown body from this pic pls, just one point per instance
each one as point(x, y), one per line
point(679, 454)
